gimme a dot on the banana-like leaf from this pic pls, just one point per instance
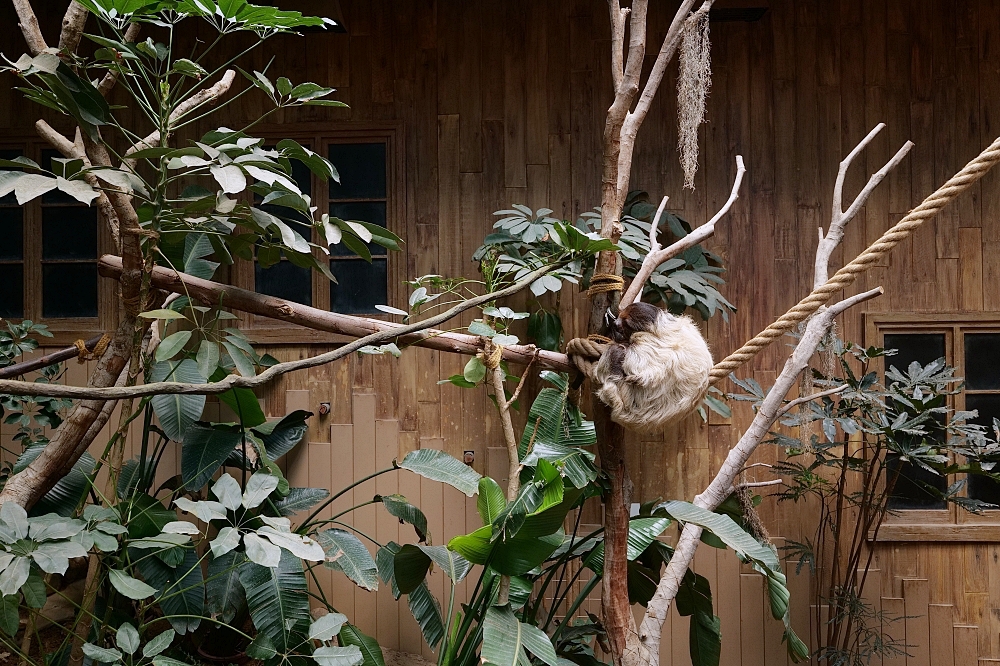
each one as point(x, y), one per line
point(705, 640)
point(204, 450)
point(177, 412)
point(512, 557)
point(278, 602)
point(410, 566)
point(427, 612)
point(370, 649)
point(180, 590)
point(282, 436)
point(491, 500)
point(225, 594)
point(641, 533)
point(346, 553)
point(400, 507)
point(64, 497)
point(300, 499)
point(505, 638)
point(439, 466)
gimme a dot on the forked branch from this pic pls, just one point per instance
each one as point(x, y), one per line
point(658, 255)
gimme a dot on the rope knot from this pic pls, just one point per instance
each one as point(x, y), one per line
point(83, 354)
point(604, 282)
point(586, 352)
point(491, 355)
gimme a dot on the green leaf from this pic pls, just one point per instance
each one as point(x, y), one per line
point(513, 557)
point(172, 344)
point(278, 600)
point(282, 436)
point(369, 647)
point(177, 412)
point(326, 627)
point(208, 358)
point(204, 449)
point(705, 640)
point(410, 566)
point(338, 656)
point(224, 591)
point(102, 655)
point(68, 492)
point(538, 644)
point(128, 586)
point(641, 533)
point(300, 499)
point(503, 638)
point(9, 619)
point(162, 314)
point(168, 661)
point(452, 564)
point(145, 516)
point(346, 553)
point(190, 68)
point(158, 643)
point(427, 612)
point(260, 485)
point(400, 507)
point(180, 590)
point(491, 500)
point(474, 371)
point(245, 405)
point(127, 638)
point(545, 328)
point(439, 466)
point(34, 591)
point(261, 648)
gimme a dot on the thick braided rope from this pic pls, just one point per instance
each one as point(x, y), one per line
point(843, 278)
point(586, 352)
point(605, 282)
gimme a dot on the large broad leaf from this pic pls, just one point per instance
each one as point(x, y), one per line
point(400, 507)
point(346, 553)
point(410, 566)
point(204, 450)
point(225, 594)
point(439, 466)
point(426, 611)
point(300, 499)
point(128, 586)
point(512, 557)
point(505, 638)
point(68, 491)
point(575, 463)
point(705, 640)
point(9, 620)
point(180, 589)
point(278, 600)
point(244, 404)
point(370, 649)
point(641, 533)
point(177, 412)
point(145, 516)
point(452, 564)
point(282, 436)
point(491, 500)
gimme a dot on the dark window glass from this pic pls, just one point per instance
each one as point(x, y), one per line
point(909, 490)
point(988, 406)
point(982, 361)
point(285, 280)
point(362, 170)
point(69, 290)
point(360, 286)
point(373, 212)
point(920, 347)
point(11, 290)
point(69, 232)
point(11, 234)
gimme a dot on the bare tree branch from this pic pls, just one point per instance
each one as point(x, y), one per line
point(72, 27)
point(28, 23)
point(657, 255)
point(809, 398)
point(718, 489)
point(192, 103)
point(233, 381)
point(214, 294)
point(839, 218)
point(77, 151)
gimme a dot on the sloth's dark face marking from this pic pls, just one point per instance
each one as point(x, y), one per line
point(632, 319)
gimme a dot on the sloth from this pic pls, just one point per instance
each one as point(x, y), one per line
point(656, 372)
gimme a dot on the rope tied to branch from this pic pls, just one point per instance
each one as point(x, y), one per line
point(584, 353)
point(83, 354)
point(491, 355)
point(845, 277)
point(602, 283)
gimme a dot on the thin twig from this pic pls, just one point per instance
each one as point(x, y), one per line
point(520, 384)
point(809, 398)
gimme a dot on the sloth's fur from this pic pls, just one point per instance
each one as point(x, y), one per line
point(659, 372)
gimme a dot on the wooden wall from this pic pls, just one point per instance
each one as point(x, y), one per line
point(499, 102)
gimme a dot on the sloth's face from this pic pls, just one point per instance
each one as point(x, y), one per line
point(632, 319)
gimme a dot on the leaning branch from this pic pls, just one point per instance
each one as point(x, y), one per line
point(72, 27)
point(658, 255)
point(233, 381)
point(719, 488)
point(28, 23)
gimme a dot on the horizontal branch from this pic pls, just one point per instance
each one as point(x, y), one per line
point(214, 294)
point(49, 359)
point(11, 387)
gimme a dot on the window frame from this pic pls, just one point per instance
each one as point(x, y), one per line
point(318, 136)
point(950, 523)
point(65, 330)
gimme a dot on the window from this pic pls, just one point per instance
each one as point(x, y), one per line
point(970, 343)
point(367, 161)
point(48, 254)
